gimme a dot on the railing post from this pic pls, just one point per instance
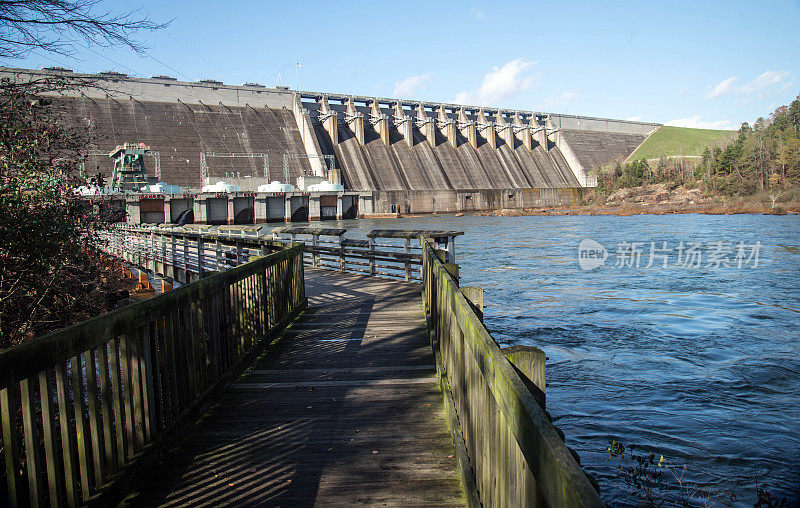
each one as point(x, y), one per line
point(138, 250)
point(152, 250)
point(314, 252)
point(529, 361)
point(452, 269)
point(217, 253)
point(200, 256)
point(186, 257)
point(10, 431)
point(342, 259)
point(172, 253)
point(371, 256)
point(163, 254)
point(474, 295)
point(450, 246)
point(407, 251)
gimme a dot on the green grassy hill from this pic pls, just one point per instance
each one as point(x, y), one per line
point(672, 141)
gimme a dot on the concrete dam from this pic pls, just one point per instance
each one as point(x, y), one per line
point(396, 155)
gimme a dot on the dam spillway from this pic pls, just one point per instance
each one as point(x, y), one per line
point(410, 156)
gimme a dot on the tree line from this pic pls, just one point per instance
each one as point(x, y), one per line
point(764, 156)
point(50, 274)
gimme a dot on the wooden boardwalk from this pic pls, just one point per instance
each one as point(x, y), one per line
point(345, 409)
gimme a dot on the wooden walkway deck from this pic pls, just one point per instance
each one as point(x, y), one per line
point(345, 409)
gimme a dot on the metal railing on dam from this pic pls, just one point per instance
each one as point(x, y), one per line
point(515, 453)
point(85, 409)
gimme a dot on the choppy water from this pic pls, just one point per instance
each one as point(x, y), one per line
point(698, 364)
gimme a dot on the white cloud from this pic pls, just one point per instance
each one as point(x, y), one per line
point(462, 98)
point(500, 84)
point(761, 87)
point(567, 96)
point(636, 118)
point(477, 14)
point(409, 86)
point(723, 87)
point(696, 123)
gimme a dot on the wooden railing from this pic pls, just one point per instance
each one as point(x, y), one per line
point(516, 456)
point(183, 255)
point(376, 256)
point(85, 409)
point(189, 253)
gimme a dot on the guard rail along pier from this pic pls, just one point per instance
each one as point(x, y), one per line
point(326, 370)
point(86, 409)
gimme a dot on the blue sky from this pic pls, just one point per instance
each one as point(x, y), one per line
point(698, 64)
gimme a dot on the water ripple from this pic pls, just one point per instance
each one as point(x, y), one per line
point(698, 364)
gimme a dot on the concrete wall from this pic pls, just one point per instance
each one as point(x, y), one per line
point(179, 132)
point(595, 149)
point(587, 123)
point(180, 120)
point(449, 201)
point(121, 87)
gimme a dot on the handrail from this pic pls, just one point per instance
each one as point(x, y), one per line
point(188, 254)
point(86, 408)
point(517, 457)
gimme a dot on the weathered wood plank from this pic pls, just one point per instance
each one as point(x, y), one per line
point(68, 447)
point(33, 461)
point(82, 437)
point(135, 343)
point(93, 416)
point(118, 400)
point(9, 399)
point(106, 408)
point(161, 394)
point(147, 364)
point(49, 439)
point(176, 394)
point(411, 233)
point(125, 355)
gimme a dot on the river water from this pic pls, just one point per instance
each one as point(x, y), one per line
point(697, 360)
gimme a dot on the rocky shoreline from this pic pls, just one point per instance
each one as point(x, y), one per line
point(657, 199)
point(634, 209)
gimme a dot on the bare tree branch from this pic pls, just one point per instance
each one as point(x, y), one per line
point(59, 26)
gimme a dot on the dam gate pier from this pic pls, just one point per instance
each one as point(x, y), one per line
point(260, 207)
point(242, 207)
